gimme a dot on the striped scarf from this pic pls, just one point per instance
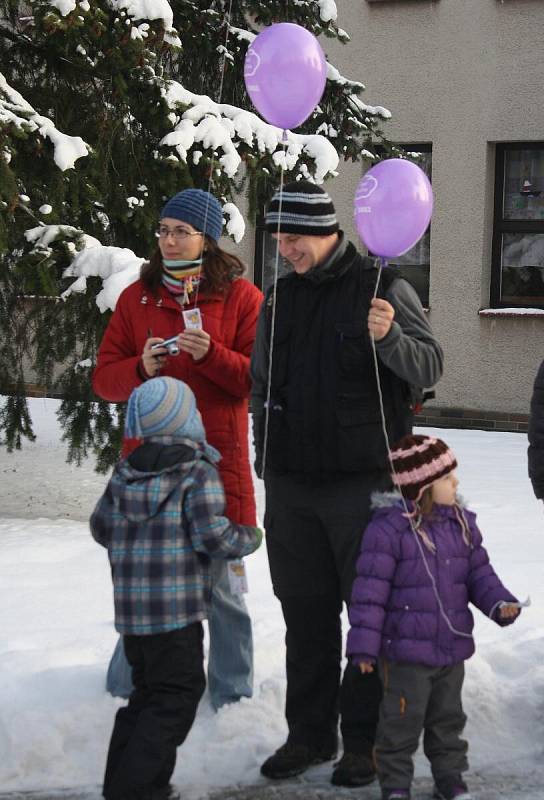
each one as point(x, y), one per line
point(181, 277)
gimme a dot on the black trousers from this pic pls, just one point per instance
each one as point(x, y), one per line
point(168, 677)
point(313, 536)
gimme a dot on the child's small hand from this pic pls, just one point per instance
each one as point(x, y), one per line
point(509, 611)
point(366, 666)
point(258, 537)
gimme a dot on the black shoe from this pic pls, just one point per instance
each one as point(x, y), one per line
point(354, 769)
point(293, 759)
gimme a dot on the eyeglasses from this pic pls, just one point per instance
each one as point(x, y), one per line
point(178, 233)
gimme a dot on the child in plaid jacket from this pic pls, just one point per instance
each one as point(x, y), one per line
point(162, 519)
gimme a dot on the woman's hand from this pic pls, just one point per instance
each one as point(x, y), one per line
point(195, 342)
point(366, 666)
point(153, 360)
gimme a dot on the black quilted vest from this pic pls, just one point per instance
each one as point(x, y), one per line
point(324, 417)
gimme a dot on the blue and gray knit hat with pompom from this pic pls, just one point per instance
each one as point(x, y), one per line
point(165, 407)
point(200, 209)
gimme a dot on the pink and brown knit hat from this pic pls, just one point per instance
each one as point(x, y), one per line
point(418, 462)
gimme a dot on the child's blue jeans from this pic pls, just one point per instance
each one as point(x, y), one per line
point(230, 658)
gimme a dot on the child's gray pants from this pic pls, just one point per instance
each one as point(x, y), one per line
point(419, 698)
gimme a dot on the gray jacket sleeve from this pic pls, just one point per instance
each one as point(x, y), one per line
point(410, 349)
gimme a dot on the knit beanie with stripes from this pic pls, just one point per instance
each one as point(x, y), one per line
point(163, 407)
point(418, 462)
point(306, 209)
point(200, 209)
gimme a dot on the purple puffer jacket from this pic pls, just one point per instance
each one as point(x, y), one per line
point(394, 612)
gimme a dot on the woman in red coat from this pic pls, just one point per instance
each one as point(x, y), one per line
point(190, 273)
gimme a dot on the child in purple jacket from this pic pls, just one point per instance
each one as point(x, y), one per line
point(422, 562)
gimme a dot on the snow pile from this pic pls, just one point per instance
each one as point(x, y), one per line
point(235, 223)
point(117, 266)
point(44, 235)
point(327, 10)
point(511, 312)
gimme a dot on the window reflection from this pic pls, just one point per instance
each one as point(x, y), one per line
point(524, 184)
point(522, 274)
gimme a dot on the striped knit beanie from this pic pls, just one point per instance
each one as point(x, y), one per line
point(163, 407)
point(418, 462)
point(200, 209)
point(306, 209)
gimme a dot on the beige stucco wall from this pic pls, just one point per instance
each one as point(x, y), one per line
point(462, 74)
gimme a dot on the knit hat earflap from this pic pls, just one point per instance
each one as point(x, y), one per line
point(165, 407)
point(200, 209)
point(418, 462)
point(306, 209)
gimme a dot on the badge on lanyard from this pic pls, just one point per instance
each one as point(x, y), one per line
point(192, 319)
point(237, 577)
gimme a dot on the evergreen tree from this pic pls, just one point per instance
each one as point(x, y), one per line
point(104, 113)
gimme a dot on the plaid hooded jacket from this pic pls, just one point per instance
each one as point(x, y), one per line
point(161, 526)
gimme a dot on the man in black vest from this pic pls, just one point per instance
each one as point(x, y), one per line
point(322, 452)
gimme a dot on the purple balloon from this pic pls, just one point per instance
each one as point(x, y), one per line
point(393, 207)
point(285, 73)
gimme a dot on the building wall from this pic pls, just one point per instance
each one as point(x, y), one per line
point(461, 74)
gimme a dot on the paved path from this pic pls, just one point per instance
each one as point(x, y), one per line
point(529, 787)
point(504, 788)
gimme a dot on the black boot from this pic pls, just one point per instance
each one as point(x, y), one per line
point(354, 769)
point(293, 759)
point(451, 788)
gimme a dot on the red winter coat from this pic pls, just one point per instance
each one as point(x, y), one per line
point(220, 380)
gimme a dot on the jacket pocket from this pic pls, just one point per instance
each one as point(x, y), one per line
point(361, 442)
point(357, 409)
point(352, 346)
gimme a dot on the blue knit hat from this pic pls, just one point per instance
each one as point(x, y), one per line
point(200, 209)
point(166, 407)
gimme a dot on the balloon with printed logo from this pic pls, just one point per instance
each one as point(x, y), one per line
point(285, 73)
point(393, 207)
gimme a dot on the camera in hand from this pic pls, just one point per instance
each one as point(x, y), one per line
point(171, 345)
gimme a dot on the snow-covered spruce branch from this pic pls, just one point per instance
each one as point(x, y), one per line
point(222, 127)
point(14, 110)
point(136, 9)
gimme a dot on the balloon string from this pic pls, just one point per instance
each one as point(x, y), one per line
point(212, 163)
point(273, 321)
point(383, 263)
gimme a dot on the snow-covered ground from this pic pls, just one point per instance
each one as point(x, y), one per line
point(56, 629)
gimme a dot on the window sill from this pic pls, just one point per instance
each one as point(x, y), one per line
point(511, 312)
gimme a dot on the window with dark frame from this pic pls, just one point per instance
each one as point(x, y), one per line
point(265, 254)
point(414, 265)
point(517, 266)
